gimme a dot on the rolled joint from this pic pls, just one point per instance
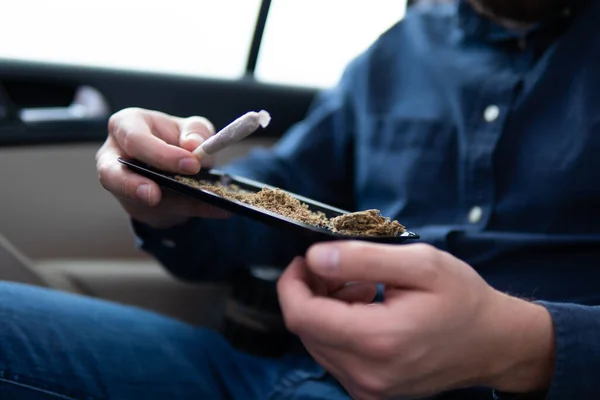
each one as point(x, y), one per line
point(237, 130)
point(264, 118)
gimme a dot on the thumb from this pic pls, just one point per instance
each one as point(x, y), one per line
point(407, 266)
point(194, 131)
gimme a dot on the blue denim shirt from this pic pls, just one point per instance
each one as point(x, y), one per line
point(484, 141)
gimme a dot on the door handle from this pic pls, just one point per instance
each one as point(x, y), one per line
point(88, 104)
point(33, 121)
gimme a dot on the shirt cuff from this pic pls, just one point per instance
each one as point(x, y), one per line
point(152, 239)
point(577, 357)
point(171, 247)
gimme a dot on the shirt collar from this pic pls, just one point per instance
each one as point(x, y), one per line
point(475, 25)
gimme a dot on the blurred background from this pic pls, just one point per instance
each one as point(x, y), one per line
point(67, 65)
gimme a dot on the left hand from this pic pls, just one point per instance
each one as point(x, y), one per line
point(440, 327)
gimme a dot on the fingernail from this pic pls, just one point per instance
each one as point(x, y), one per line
point(189, 165)
point(195, 139)
point(325, 258)
point(144, 193)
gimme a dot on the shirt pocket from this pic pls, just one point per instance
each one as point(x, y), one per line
point(408, 165)
point(409, 143)
point(403, 133)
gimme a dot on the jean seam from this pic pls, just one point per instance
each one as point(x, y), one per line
point(49, 392)
point(285, 386)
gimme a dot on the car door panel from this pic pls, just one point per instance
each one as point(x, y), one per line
point(29, 85)
point(55, 211)
point(57, 220)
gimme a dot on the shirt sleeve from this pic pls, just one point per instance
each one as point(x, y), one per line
point(313, 159)
point(577, 359)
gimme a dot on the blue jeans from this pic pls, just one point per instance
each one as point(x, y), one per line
point(55, 345)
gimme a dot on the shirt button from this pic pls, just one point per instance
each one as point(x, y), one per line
point(168, 243)
point(566, 12)
point(491, 113)
point(475, 214)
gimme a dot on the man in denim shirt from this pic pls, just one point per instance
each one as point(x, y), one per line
point(475, 124)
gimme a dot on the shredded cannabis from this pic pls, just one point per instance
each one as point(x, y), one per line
point(363, 223)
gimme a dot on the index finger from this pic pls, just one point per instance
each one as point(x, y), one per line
point(134, 134)
point(117, 179)
point(324, 319)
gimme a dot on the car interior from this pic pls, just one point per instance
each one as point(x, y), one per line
point(58, 227)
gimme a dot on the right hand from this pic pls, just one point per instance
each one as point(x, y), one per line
point(164, 142)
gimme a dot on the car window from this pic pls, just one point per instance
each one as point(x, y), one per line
point(309, 42)
point(305, 42)
point(198, 37)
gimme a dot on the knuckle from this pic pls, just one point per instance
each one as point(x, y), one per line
point(423, 247)
point(98, 155)
point(292, 323)
point(427, 253)
point(381, 347)
point(281, 289)
point(115, 119)
point(129, 139)
point(120, 127)
point(206, 122)
point(199, 125)
point(370, 386)
point(132, 111)
point(103, 175)
point(431, 273)
point(113, 122)
point(126, 186)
